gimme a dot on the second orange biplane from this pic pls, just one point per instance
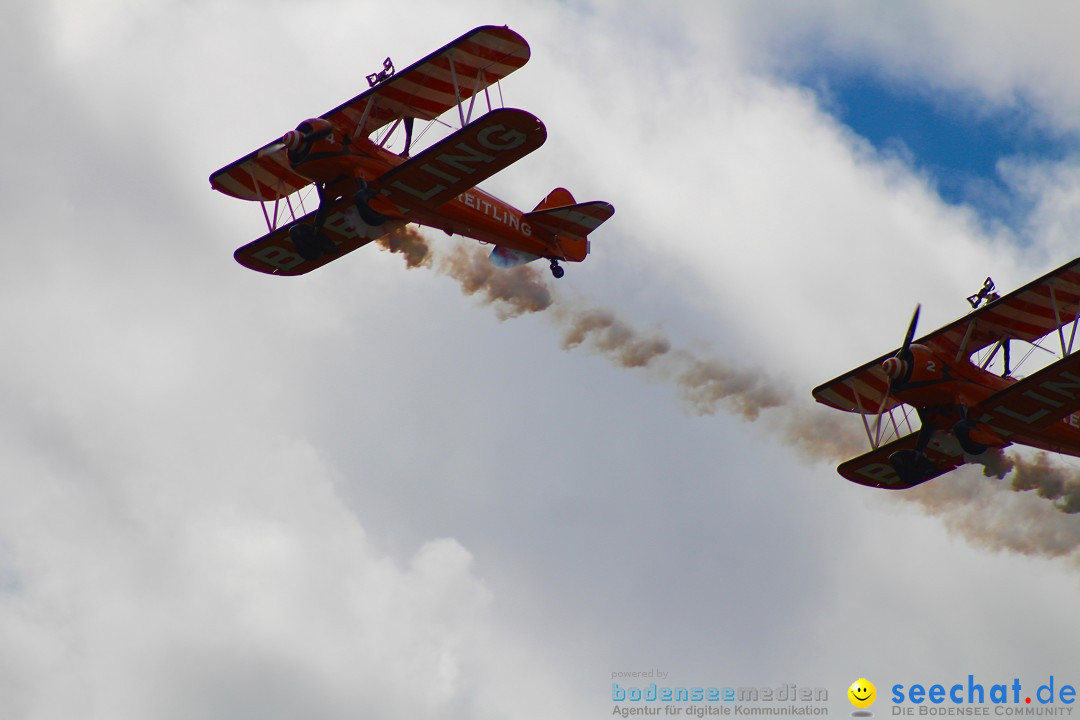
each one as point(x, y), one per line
point(963, 407)
point(366, 191)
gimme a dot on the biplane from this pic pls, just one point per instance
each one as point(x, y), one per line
point(367, 187)
point(939, 402)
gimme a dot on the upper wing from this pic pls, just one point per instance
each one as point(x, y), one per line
point(262, 175)
point(426, 89)
point(1035, 310)
point(445, 78)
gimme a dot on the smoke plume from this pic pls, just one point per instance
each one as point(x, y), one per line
point(410, 244)
point(991, 513)
point(1020, 503)
point(1017, 503)
point(1053, 482)
point(610, 336)
point(705, 384)
point(511, 291)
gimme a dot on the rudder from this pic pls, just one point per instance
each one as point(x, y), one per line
point(559, 197)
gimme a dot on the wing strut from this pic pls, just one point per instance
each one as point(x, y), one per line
point(1072, 335)
point(963, 344)
point(481, 79)
point(364, 117)
point(1066, 350)
point(862, 414)
point(262, 202)
point(1057, 318)
point(877, 422)
point(386, 137)
point(457, 90)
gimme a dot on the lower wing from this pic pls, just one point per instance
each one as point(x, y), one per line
point(874, 470)
point(276, 253)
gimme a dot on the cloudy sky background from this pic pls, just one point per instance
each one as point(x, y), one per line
point(362, 493)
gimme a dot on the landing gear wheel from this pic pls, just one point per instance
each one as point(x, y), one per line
point(556, 269)
point(304, 240)
point(911, 466)
point(962, 431)
point(361, 199)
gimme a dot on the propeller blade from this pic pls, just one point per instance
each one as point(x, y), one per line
point(905, 350)
point(911, 329)
point(271, 149)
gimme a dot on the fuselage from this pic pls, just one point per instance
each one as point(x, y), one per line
point(933, 380)
point(946, 390)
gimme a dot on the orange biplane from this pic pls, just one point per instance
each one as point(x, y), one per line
point(963, 407)
point(366, 190)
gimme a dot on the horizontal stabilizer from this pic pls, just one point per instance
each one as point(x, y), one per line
point(573, 221)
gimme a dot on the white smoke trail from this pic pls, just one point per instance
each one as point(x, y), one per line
point(1003, 508)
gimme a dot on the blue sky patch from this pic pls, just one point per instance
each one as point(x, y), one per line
point(956, 139)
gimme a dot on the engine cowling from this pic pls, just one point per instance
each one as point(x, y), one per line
point(300, 141)
point(916, 364)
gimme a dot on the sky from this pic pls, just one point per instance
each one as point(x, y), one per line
point(956, 140)
point(366, 492)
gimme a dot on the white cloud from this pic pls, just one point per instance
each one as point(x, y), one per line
point(358, 492)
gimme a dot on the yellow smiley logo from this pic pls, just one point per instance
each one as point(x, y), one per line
point(862, 693)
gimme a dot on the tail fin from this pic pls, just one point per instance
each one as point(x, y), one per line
point(556, 198)
point(504, 257)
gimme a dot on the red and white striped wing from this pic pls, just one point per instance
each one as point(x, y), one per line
point(425, 90)
point(1034, 311)
point(861, 390)
point(439, 82)
point(264, 175)
point(275, 253)
point(1039, 308)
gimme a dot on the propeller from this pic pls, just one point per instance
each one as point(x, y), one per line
point(299, 140)
point(272, 148)
point(898, 368)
